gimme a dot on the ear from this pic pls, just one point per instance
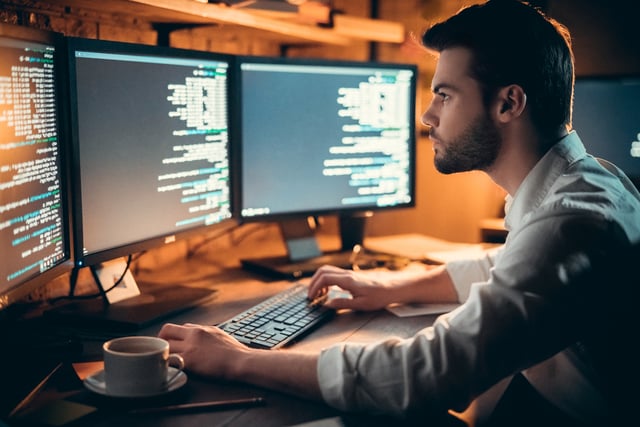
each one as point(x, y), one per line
point(510, 103)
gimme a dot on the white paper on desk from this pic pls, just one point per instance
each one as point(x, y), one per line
point(408, 310)
point(443, 257)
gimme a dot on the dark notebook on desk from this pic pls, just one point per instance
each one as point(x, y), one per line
point(152, 305)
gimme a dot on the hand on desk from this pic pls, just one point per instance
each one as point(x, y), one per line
point(208, 351)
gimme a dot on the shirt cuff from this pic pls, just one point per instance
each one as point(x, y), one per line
point(466, 272)
point(335, 377)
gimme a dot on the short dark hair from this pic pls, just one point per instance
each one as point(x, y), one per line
point(514, 43)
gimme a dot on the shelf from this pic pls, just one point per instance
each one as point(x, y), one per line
point(345, 29)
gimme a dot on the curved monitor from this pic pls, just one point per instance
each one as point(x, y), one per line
point(322, 137)
point(150, 138)
point(34, 220)
point(606, 115)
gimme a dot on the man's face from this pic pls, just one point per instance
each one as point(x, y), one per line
point(463, 134)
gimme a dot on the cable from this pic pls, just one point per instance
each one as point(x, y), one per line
point(101, 291)
point(256, 227)
point(193, 250)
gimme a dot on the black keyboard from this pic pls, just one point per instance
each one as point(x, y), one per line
point(278, 320)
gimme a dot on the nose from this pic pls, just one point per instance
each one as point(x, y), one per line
point(424, 119)
point(428, 119)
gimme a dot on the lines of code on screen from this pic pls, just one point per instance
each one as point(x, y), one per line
point(31, 211)
point(153, 146)
point(340, 138)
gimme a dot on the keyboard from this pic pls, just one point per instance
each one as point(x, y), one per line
point(278, 320)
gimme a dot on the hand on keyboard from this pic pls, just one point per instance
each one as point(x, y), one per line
point(279, 319)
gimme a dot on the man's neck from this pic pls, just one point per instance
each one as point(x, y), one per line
point(518, 156)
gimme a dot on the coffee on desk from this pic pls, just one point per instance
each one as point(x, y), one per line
point(139, 365)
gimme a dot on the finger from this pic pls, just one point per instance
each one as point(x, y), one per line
point(315, 283)
point(192, 325)
point(322, 271)
point(171, 331)
point(324, 279)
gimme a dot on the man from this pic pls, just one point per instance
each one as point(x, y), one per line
point(502, 104)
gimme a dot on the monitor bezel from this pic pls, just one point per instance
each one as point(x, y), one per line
point(150, 242)
point(341, 211)
point(24, 288)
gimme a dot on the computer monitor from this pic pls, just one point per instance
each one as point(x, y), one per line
point(150, 147)
point(150, 136)
point(35, 246)
point(322, 137)
point(34, 217)
point(606, 115)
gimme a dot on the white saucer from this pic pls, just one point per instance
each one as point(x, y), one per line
point(96, 384)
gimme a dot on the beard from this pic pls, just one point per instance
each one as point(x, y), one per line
point(475, 149)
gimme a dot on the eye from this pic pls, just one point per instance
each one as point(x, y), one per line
point(442, 96)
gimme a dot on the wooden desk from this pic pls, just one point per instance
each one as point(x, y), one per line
point(238, 290)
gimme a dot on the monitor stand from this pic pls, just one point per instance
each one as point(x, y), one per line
point(130, 308)
point(304, 255)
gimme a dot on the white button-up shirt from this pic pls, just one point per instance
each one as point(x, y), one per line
point(520, 312)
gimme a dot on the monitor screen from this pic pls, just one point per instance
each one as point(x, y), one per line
point(325, 137)
point(606, 115)
point(322, 137)
point(34, 221)
point(150, 138)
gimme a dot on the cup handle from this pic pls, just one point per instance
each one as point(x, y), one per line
point(176, 361)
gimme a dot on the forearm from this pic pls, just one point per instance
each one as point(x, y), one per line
point(433, 286)
point(283, 370)
point(375, 290)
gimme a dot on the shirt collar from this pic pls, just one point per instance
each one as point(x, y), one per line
point(536, 185)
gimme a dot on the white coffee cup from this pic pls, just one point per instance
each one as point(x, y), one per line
point(139, 366)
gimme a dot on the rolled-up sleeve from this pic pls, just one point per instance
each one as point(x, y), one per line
point(394, 379)
point(465, 273)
